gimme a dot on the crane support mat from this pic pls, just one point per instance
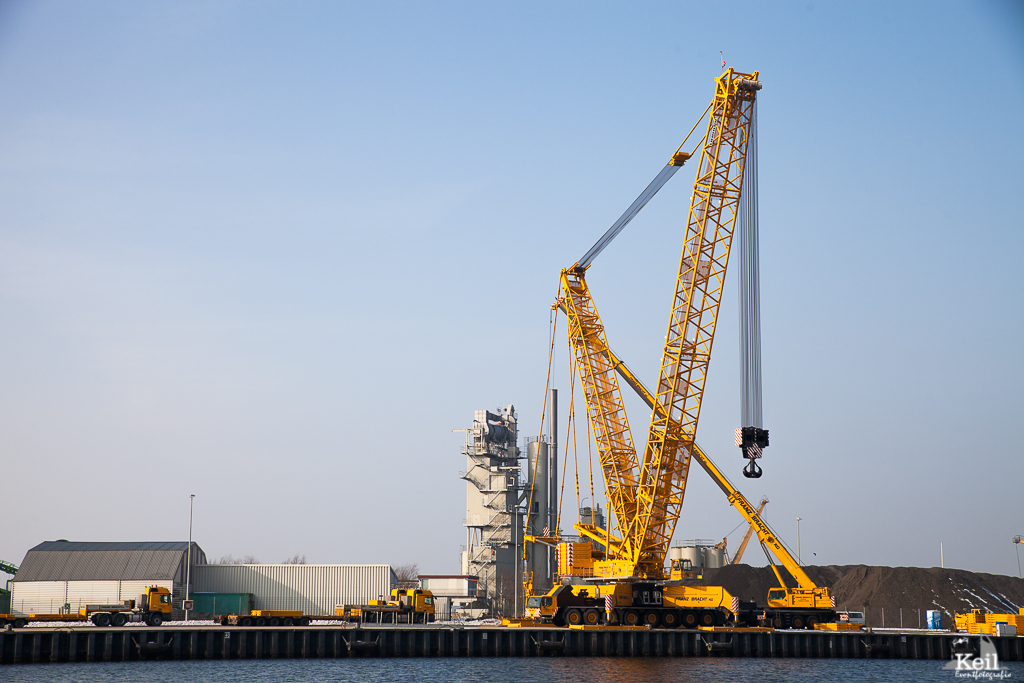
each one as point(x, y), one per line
point(584, 627)
point(736, 629)
point(838, 626)
point(525, 623)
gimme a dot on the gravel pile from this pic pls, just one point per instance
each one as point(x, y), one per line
point(874, 589)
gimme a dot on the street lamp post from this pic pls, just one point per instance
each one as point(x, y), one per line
point(188, 566)
point(1017, 540)
point(798, 540)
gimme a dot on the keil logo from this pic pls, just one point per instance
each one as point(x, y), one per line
point(981, 664)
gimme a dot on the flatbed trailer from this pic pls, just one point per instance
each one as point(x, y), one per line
point(264, 617)
point(22, 620)
point(379, 614)
point(153, 606)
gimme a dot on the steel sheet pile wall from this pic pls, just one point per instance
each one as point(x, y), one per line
point(43, 645)
point(311, 588)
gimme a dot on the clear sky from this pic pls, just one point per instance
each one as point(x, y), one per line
point(272, 254)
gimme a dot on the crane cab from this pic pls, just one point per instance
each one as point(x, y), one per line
point(813, 598)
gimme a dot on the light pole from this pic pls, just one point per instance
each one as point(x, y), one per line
point(188, 567)
point(798, 540)
point(1017, 540)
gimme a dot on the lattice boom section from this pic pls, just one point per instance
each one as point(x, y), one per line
point(605, 410)
point(701, 279)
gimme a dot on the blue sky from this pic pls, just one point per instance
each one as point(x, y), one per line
point(273, 253)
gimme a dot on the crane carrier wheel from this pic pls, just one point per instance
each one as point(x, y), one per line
point(690, 619)
point(591, 617)
point(630, 617)
point(652, 618)
point(670, 619)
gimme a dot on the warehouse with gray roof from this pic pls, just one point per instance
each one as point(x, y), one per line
point(62, 576)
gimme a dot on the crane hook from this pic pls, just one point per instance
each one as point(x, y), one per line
point(752, 471)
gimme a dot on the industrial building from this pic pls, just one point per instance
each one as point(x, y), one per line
point(309, 588)
point(493, 517)
point(61, 576)
point(500, 506)
point(455, 595)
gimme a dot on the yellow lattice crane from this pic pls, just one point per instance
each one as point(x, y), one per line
point(646, 494)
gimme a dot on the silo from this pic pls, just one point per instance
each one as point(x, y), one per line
point(713, 558)
point(536, 496)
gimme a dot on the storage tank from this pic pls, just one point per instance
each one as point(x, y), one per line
point(537, 473)
point(713, 558)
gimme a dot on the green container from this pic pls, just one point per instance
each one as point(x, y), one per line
point(214, 604)
point(5, 601)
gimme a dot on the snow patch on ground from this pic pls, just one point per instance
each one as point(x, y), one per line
point(1002, 601)
point(130, 624)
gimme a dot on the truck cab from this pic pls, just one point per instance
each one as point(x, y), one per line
point(157, 599)
point(416, 600)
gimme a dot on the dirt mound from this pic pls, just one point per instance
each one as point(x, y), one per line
point(882, 592)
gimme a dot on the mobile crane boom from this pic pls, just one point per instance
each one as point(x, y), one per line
point(746, 537)
point(808, 594)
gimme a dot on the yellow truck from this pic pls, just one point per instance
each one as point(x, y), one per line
point(408, 605)
point(153, 607)
point(978, 622)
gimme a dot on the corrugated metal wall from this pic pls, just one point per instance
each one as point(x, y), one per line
point(38, 597)
point(442, 609)
point(311, 588)
point(49, 597)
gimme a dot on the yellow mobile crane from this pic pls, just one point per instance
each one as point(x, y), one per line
point(627, 582)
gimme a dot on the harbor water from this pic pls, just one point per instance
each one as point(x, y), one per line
point(497, 670)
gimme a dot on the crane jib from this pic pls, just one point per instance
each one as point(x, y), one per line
point(659, 181)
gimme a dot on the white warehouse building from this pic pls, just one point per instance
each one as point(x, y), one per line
point(62, 576)
point(309, 588)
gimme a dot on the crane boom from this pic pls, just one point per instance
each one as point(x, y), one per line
point(605, 410)
point(687, 352)
point(746, 537)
